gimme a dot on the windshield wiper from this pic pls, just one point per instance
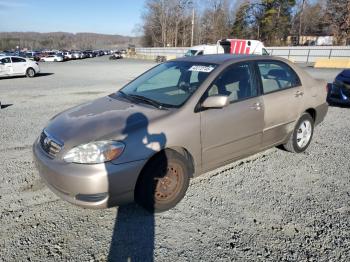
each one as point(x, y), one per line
point(133, 98)
point(147, 100)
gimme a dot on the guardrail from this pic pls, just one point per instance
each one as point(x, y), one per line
point(298, 54)
point(162, 51)
point(308, 54)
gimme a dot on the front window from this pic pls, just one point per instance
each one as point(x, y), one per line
point(169, 84)
point(235, 82)
point(5, 60)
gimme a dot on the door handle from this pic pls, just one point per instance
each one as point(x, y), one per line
point(256, 106)
point(299, 93)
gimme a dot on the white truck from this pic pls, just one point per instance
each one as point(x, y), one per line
point(230, 46)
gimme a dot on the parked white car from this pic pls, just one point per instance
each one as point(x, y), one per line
point(77, 55)
point(52, 58)
point(15, 66)
point(68, 55)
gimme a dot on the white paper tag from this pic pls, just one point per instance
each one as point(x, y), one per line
point(200, 68)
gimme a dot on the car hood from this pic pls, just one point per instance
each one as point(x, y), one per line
point(103, 118)
point(344, 76)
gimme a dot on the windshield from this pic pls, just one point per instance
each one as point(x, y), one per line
point(169, 84)
point(191, 52)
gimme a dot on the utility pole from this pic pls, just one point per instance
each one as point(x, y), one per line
point(300, 20)
point(192, 33)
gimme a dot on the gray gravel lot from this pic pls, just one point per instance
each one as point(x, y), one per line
point(273, 206)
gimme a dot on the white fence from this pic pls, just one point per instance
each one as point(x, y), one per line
point(310, 54)
point(301, 54)
point(162, 51)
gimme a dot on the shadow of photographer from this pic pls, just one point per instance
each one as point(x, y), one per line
point(133, 235)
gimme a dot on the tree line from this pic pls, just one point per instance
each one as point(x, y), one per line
point(185, 22)
point(63, 40)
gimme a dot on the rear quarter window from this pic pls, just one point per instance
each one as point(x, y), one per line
point(17, 60)
point(276, 75)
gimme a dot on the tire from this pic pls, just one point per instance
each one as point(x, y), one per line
point(302, 134)
point(30, 72)
point(163, 182)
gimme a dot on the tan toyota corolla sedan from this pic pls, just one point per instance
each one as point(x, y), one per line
point(176, 121)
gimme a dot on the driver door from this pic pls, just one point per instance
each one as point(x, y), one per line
point(235, 130)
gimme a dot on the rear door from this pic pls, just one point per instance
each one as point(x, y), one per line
point(283, 100)
point(5, 66)
point(19, 65)
point(236, 129)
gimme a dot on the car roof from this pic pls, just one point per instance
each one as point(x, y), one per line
point(219, 59)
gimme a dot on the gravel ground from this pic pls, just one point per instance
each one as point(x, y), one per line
point(273, 206)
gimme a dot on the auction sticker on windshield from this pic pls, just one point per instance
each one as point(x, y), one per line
point(200, 68)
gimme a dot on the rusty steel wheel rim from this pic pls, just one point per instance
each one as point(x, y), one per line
point(169, 186)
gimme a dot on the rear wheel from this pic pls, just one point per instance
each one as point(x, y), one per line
point(163, 182)
point(30, 72)
point(302, 135)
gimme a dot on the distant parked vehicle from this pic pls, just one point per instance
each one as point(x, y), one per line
point(67, 55)
point(77, 55)
point(86, 54)
point(52, 58)
point(115, 56)
point(32, 56)
point(230, 46)
point(16, 66)
point(339, 90)
point(90, 53)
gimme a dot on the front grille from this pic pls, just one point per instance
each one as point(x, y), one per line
point(49, 144)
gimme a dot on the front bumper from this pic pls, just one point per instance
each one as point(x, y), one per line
point(90, 186)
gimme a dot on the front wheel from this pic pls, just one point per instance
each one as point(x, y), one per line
point(163, 182)
point(302, 134)
point(30, 72)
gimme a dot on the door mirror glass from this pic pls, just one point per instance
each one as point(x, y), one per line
point(217, 101)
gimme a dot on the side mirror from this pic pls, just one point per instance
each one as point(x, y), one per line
point(217, 101)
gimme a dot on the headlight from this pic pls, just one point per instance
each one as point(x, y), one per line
point(95, 152)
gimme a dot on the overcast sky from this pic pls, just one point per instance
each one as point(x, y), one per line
point(98, 16)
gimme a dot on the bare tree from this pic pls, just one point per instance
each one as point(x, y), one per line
point(337, 18)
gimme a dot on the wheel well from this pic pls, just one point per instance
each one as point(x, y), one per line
point(183, 151)
point(312, 113)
